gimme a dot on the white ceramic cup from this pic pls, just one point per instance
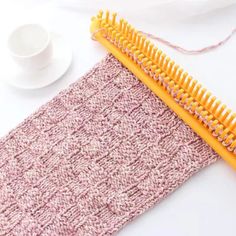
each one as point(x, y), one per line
point(30, 46)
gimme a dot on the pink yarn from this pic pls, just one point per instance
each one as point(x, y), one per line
point(192, 51)
point(93, 158)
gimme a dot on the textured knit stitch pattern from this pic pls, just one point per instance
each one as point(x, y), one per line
point(93, 158)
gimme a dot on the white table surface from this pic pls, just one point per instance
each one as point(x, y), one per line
point(206, 204)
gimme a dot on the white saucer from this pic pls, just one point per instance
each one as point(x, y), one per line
point(12, 74)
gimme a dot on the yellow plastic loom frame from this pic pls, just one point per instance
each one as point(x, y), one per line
point(196, 106)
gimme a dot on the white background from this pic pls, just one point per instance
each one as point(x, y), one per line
point(206, 204)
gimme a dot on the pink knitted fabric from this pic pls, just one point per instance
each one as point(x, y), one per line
point(93, 158)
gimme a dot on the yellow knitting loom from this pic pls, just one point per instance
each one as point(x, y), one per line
point(196, 106)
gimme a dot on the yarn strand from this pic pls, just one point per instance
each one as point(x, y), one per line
point(190, 51)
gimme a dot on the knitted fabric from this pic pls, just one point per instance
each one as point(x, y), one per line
point(93, 158)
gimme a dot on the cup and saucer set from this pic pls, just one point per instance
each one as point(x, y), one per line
point(34, 57)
